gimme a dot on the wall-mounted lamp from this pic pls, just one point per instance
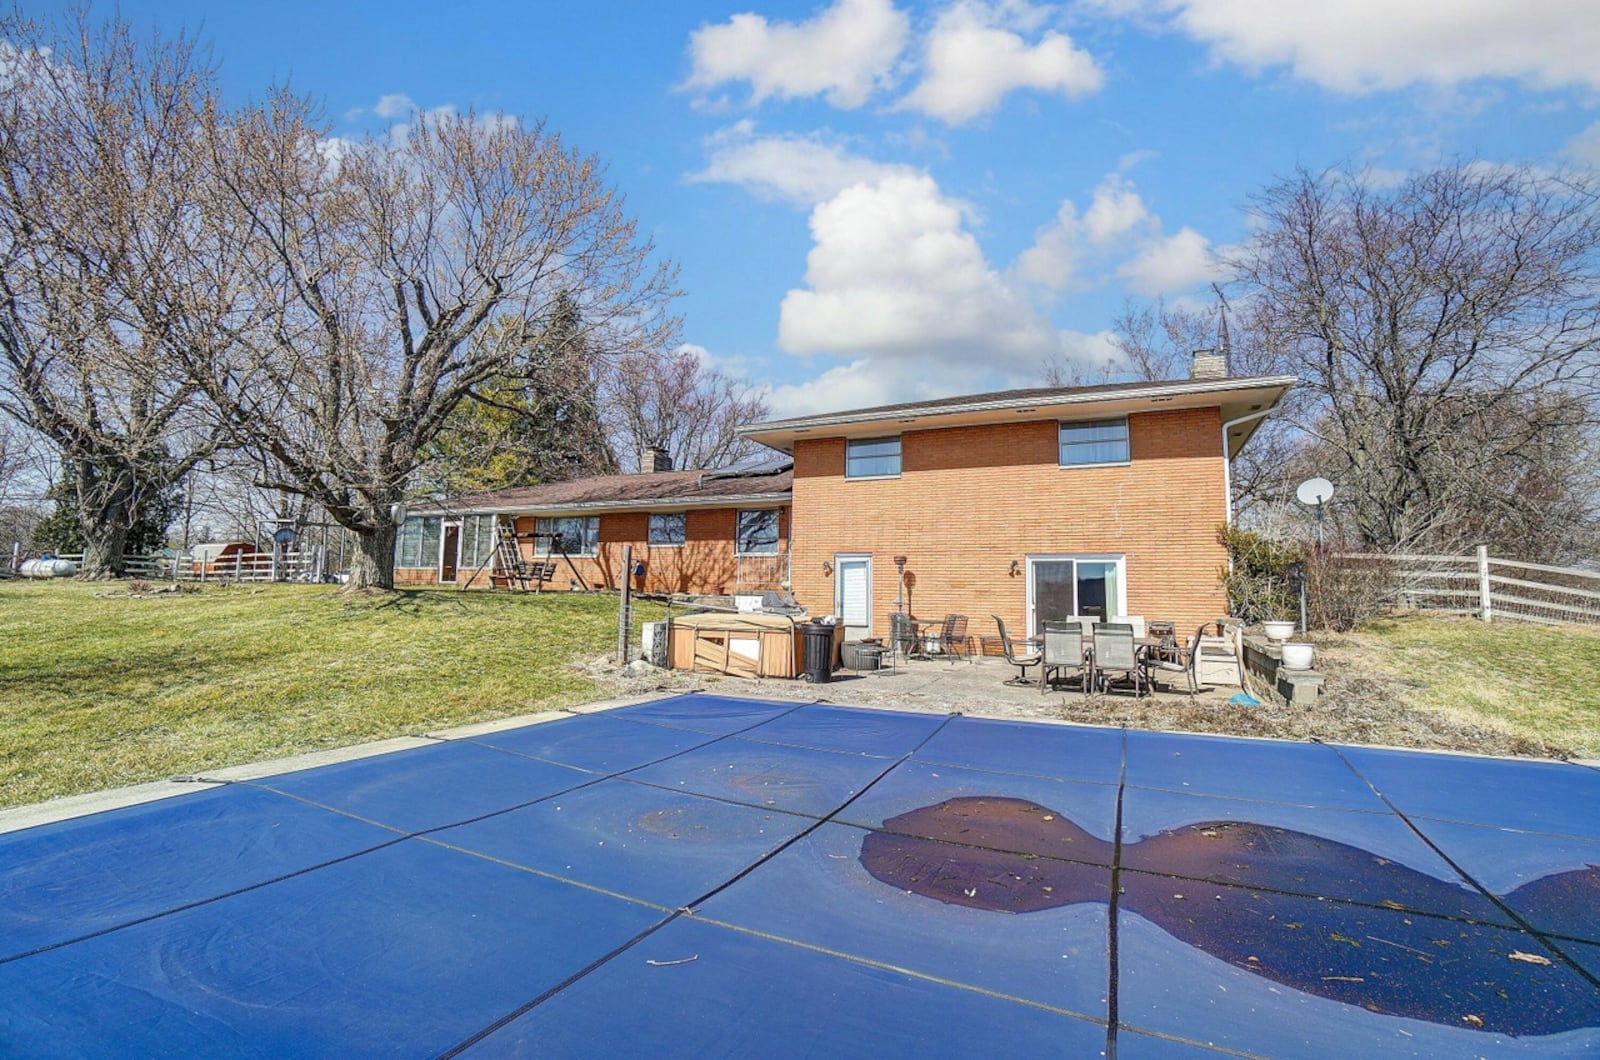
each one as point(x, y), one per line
point(1016, 568)
point(827, 568)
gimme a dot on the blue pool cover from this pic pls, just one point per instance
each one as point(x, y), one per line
point(709, 876)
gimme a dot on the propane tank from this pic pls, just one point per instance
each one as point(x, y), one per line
point(48, 567)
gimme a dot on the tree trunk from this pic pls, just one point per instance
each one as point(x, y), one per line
point(372, 567)
point(103, 546)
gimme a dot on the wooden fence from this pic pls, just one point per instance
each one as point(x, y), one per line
point(1489, 588)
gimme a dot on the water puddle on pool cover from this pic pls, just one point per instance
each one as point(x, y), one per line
point(1012, 856)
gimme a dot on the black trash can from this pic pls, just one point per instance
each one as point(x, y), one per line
point(819, 651)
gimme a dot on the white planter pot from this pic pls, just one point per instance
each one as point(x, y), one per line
point(1278, 632)
point(1296, 656)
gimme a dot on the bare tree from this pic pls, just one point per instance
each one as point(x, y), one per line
point(392, 277)
point(97, 172)
point(677, 402)
point(1445, 331)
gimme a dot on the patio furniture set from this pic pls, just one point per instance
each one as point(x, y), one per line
point(1100, 654)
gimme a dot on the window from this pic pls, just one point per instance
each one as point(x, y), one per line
point(667, 528)
point(872, 457)
point(1094, 442)
point(477, 540)
point(417, 544)
point(758, 531)
point(580, 535)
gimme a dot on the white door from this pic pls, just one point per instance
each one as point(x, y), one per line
point(852, 592)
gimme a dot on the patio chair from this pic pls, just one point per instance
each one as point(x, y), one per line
point(953, 638)
point(1136, 621)
point(1064, 655)
point(1174, 659)
point(903, 638)
point(1020, 661)
point(1116, 655)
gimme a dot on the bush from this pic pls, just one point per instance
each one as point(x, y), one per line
point(1344, 594)
point(1258, 587)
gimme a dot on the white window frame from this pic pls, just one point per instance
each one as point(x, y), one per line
point(650, 532)
point(1065, 425)
point(542, 525)
point(851, 443)
point(738, 531)
point(420, 561)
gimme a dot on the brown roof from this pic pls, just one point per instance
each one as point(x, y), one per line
point(627, 491)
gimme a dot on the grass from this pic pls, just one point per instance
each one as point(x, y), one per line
point(99, 688)
point(1526, 688)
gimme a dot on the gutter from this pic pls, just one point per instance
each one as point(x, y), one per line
point(1133, 391)
point(657, 504)
point(1227, 461)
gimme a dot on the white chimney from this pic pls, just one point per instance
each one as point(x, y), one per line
point(1208, 364)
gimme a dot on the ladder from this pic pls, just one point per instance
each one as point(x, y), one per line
point(507, 557)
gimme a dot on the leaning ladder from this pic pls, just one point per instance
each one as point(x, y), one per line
point(509, 566)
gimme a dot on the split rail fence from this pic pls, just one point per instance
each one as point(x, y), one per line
point(1490, 588)
point(294, 565)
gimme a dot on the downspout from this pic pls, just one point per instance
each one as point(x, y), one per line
point(1227, 461)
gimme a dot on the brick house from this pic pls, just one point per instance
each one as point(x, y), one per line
point(1027, 504)
point(691, 531)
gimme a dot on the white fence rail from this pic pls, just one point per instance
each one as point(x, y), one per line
point(295, 565)
point(1490, 588)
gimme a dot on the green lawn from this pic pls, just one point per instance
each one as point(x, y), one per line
point(1534, 683)
point(99, 689)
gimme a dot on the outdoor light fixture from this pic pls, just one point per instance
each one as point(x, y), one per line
point(1016, 568)
point(827, 568)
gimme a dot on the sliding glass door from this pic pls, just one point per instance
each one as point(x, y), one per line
point(1060, 587)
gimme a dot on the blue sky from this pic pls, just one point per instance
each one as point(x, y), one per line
point(874, 200)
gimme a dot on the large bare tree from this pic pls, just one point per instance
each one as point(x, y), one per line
point(98, 166)
point(1446, 331)
point(677, 402)
point(393, 276)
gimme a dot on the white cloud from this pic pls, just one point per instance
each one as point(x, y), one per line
point(804, 170)
point(1584, 148)
point(843, 53)
point(1367, 45)
point(1116, 214)
point(894, 272)
point(975, 55)
point(394, 105)
point(1171, 264)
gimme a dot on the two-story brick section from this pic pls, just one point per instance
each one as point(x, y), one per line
point(1027, 504)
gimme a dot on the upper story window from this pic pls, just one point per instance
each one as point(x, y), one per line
point(667, 528)
point(758, 531)
point(871, 457)
point(579, 535)
point(1094, 442)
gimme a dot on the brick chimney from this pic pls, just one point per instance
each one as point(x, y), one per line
point(1208, 364)
point(654, 458)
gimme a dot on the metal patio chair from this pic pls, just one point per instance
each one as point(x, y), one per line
point(1020, 660)
point(953, 638)
point(1064, 655)
point(1115, 654)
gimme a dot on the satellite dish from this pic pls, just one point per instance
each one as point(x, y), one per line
point(1316, 491)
